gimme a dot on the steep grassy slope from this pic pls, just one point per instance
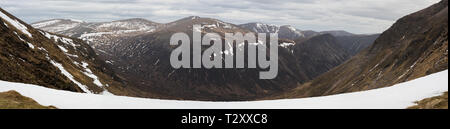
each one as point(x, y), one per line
point(415, 46)
point(32, 56)
point(356, 43)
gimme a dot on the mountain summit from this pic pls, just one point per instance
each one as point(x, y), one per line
point(37, 57)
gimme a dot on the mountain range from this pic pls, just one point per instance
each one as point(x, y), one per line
point(415, 46)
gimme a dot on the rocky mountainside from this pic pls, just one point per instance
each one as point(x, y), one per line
point(415, 46)
point(37, 57)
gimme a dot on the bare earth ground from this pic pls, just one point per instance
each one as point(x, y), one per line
point(14, 100)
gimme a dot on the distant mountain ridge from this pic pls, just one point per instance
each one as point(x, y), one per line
point(290, 32)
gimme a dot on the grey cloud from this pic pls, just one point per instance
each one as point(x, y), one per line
point(357, 16)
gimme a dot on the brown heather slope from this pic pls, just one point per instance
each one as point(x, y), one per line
point(21, 63)
point(14, 100)
point(415, 46)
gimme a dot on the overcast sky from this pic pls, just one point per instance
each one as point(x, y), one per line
point(357, 16)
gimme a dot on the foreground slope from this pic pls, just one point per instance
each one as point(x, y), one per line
point(32, 56)
point(14, 100)
point(415, 46)
point(399, 96)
